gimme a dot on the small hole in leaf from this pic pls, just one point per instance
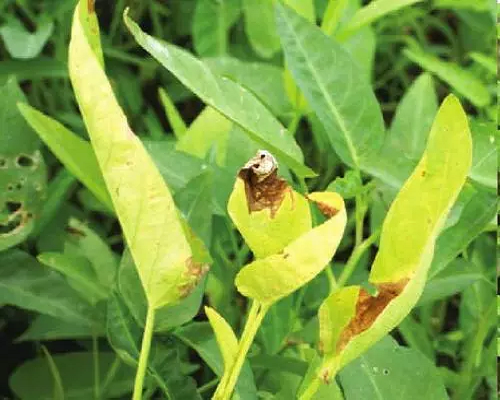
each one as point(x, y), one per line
point(13, 206)
point(10, 187)
point(11, 225)
point(24, 161)
point(3, 163)
point(19, 185)
point(29, 215)
point(385, 371)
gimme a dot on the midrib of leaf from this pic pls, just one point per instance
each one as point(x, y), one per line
point(324, 91)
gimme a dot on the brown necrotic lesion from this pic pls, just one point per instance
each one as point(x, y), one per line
point(264, 189)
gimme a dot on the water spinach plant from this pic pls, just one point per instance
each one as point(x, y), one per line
point(237, 177)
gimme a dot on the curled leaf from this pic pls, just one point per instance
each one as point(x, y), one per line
point(226, 339)
point(276, 223)
point(352, 320)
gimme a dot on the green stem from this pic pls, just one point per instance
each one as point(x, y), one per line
point(95, 357)
point(143, 358)
point(331, 279)
point(355, 257)
point(110, 375)
point(360, 216)
point(228, 382)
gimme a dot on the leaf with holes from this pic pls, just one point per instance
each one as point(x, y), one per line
point(22, 170)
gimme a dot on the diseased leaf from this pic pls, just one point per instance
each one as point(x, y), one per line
point(140, 197)
point(351, 320)
point(226, 339)
point(333, 86)
point(276, 223)
point(463, 81)
point(22, 170)
point(230, 99)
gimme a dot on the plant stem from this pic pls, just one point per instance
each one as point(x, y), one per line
point(355, 257)
point(143, 358)
point(360, 216)
point(228, 382)
point(95, 357)
point(113, 369)
point(316, 382)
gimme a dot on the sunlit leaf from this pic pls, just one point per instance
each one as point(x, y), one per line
point(174, 117)
point(22, 44)
point(226, 339)
point(140, 197)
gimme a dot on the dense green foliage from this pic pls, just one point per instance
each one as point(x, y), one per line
point(133, 257)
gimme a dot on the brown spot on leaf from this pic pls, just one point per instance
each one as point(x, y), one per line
point(326, 209)
point(91, 6)
point(263, 188)
point(326, 377)
point(368, 308)
point(75, 232)
point(423, 173)
point(195, 271)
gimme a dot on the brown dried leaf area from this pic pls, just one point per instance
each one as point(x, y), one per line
point(326, 209)
point(263, 188)
point(195, 271)
point(368, 308)
point(91, 6)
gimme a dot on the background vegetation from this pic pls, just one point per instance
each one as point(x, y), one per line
point(60, 338)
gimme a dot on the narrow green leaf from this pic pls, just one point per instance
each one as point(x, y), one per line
point(46, 327)
point(416, 336)
point(75, 153)
point(463, 81)
point(79, 273)
point(488, 63)
point(226, 96)
point(375, 10)
point(332, 16)
point(399, 272)
point(58, 387)
point(226, 339)
point(140, 197)
point(334, 87)
point(174, 117)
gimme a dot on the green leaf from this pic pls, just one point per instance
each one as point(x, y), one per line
point(209, 129)
point(58, 387)
point(260, 27)
point(22, 171)
point(334, 87)
point(77, 376)
point(75, 153)
point(211, 22)
point(230, 99)
point(413, 119)
point(140, 197)
point(199, 336)
point(348, 186)
point(484, 154)
point(375, 10)
point(461, 80)
point(488, 63)
point(454, 278)
point(389, 372)
point(22, 44)
point(226, 339)
point(475, 216)
point(79, 273)
point(26, 284)
point(174, 117)
point(351, 320)
point(46, 327)
point(264, 80)
point(416, 336)
point(475, 5)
